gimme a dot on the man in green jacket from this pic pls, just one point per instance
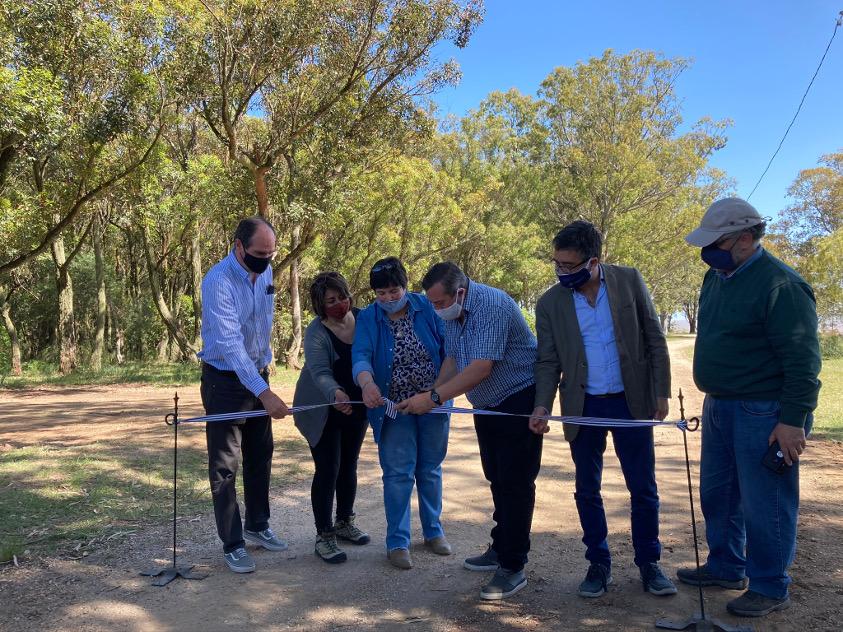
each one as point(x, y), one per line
point(757, 360)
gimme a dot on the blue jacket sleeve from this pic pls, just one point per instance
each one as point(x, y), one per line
point(362, 351)
point(439, 326)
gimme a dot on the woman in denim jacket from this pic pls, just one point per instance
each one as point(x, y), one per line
point(398, 352)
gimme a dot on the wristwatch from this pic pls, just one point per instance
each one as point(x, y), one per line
point(434, 396)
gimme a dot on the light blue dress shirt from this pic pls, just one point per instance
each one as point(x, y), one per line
point(237, 321)
point(598, 338)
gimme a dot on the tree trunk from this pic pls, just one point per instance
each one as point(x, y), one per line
point(260, 191)
point(692, 324)
point(102, 304)
point(14, 341)
point(66, 325)
point(161, 305)
point(119, 343)
point(690, 310)
point(663, 320)
point(196, 276)
point(295, 306)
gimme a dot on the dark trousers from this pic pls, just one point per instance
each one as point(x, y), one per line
point(222, 392)
point(335, 458)
point(511, 456)
point(635, 451)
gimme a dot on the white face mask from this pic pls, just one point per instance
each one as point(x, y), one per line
point(452, 312)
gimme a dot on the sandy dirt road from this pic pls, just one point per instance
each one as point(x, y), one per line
point(296, 591)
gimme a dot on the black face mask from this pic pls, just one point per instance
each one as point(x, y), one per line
point(255, 264)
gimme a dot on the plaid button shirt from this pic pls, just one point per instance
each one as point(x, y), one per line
point(493, 328)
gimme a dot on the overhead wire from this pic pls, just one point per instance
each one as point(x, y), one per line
point(798, 109)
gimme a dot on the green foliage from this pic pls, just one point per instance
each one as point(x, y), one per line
point(530, 317)
point(809, 235)
point(5, 354)
point(831, 346)
point(40, 373)
point(321, 106)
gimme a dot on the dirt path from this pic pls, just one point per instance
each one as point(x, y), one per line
point(296, 591)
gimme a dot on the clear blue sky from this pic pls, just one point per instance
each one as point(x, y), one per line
point(751, 63)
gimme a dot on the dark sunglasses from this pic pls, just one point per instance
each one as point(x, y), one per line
point(384, 266)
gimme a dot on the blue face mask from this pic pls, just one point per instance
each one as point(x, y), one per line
point(575, 280)
point(718, 259)
point(390, 307)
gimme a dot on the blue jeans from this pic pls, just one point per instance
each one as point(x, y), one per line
point(750, 512)
point(635, 451)
point(411, 449)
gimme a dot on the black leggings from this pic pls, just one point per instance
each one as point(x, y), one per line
point(335, 458)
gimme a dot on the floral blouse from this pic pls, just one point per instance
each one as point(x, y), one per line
point(412, 367)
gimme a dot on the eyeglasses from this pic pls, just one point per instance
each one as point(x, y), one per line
point(563, 269)
point(385, 266)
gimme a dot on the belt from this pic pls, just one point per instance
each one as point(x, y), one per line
point(606, 395)
point(214, 369)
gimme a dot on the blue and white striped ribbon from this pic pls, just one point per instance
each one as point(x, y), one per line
point(392, 412)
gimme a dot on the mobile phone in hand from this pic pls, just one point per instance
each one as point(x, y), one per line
point(774, 459)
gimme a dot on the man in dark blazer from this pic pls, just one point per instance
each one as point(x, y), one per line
point(601, 345)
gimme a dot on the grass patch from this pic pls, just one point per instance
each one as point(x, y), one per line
point(38, 373)
point(70, 498)
point(828, 418)
point(686, 351)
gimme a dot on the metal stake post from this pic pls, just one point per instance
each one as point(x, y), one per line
point(698, 621)
point(165, 574)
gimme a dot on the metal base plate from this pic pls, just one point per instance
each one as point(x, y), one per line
point(164, 575)
point(701, 625)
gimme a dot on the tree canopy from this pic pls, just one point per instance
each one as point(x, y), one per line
point(134, 136)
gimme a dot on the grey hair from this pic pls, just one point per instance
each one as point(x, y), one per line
point(758, 231)
point(448, 274)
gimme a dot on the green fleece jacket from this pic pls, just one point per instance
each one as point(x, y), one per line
point(757, 338)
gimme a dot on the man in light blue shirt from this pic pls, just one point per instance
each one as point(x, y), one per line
point(238, 301)
point(600, 344)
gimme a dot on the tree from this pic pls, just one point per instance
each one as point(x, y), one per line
point(810, 232)
point(617, 156)
point(94, 73)
point(817, 209)
point(276, 80)
point(93, 83)
point(294, 62)
point(6, 294)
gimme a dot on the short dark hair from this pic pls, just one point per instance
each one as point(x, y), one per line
point(448, 274)
point(581, 236)
point(387, 272)
point(247, 228)
point(323, 282)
